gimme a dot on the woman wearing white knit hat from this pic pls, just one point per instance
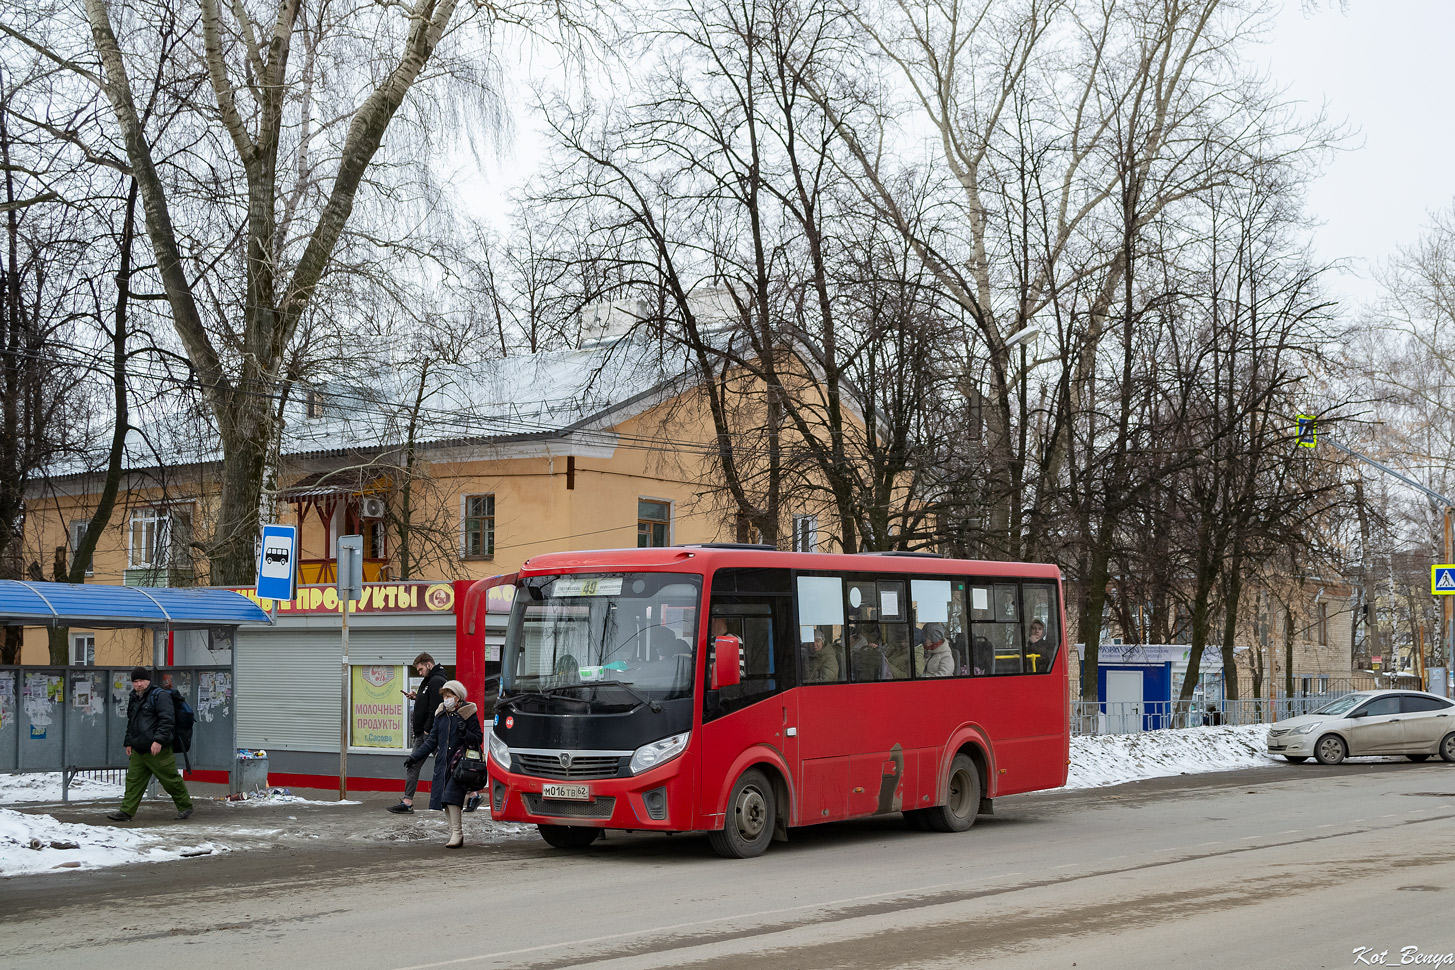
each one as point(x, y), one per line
point(456, 728)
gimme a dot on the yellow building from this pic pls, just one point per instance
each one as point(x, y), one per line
point(481, 468)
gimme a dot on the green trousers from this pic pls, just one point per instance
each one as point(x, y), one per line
point(139, 770)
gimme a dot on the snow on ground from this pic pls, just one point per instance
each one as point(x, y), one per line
point(45, 786)
point(1112, 759)
point(27, 841)
point(36, 843)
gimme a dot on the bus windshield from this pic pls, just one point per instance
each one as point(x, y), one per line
point(633, 629)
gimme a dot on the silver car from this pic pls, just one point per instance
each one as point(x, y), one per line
point(1372, 722)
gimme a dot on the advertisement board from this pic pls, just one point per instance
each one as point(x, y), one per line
point(377, 707)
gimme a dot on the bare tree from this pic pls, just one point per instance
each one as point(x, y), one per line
point(288, 150)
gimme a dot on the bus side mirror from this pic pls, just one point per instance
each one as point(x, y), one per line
point(725, 653)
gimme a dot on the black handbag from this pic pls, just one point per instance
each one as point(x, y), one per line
point(470, 770)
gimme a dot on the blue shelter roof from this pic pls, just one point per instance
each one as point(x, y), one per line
point(67, 604)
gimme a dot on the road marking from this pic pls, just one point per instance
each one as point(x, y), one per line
point(1201, 844)
point(1329, 826)
point(1290, 832)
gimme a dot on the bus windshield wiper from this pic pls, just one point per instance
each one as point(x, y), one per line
point(624, 685)
point(545, 694)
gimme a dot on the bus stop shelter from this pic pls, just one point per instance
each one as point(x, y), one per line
point(68, 718)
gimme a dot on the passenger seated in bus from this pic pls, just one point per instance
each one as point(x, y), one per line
point(897, 652)
point(1036, 643)
point(867, 659)
point(820, 663)
point(939, 661)
point(982, 656)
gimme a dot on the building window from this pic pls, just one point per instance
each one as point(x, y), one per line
point(653, 519)
point(313, 403)
point(159, 537)
point(479, 527)
point(78, 532)
point(375, 546)
point(805, 533)
point(83, 649)
point(1321, 623)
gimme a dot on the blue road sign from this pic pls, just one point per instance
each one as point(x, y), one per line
point(277, 562)
point(1442, 579)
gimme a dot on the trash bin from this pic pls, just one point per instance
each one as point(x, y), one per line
point(249, 771)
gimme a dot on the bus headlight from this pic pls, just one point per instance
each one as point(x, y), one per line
point(658, 752)
point(500, 751)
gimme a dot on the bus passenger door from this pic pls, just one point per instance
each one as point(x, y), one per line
point(761, 710)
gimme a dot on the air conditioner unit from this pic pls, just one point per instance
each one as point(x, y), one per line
point(372, 508)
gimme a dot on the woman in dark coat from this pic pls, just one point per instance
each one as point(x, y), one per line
point(456, 728)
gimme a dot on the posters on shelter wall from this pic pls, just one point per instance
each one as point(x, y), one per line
point(7, 698)
point(85, 697)
point(120, 687)
point(376, 699)
point(214, 694)
point(41, 693)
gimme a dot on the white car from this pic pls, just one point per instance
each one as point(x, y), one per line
point(1373, 722)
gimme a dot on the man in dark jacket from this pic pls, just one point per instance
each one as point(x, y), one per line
point(426, 702)
point(149, 729)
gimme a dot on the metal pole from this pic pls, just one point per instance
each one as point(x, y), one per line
point(343, 709)
point(1449, 611)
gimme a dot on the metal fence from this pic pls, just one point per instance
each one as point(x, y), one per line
point(63, 718)
point(1132, 717)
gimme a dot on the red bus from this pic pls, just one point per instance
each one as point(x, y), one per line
point(741, 691)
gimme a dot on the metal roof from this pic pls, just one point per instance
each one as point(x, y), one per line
point(67, 604)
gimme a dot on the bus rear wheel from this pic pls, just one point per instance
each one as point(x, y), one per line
point(568, 836)
point(751, 815)
point(958, 812)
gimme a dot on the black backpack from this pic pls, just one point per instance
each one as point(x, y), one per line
point(183, 720)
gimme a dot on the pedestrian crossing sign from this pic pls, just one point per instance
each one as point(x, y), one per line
point(1308, 431)
point(1442, 579)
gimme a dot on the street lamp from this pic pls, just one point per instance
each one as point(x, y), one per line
point(1023, 335)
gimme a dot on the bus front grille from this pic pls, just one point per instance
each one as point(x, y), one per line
point(580, 769)
point(600, 808)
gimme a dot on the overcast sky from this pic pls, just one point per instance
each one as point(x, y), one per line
point(1381, 67)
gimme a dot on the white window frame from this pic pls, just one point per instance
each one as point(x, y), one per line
point(161, 517)
point(78, 531)
point(85, 643)
point(805, 533)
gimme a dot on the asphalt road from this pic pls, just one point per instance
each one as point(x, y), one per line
point(1288, 867)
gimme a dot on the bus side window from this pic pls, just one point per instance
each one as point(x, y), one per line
point(763, 625)
point(821, 621)
point(1043, 639)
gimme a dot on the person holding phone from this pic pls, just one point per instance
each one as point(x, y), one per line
point(426, 702)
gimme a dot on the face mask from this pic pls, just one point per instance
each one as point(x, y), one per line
point(450, 703)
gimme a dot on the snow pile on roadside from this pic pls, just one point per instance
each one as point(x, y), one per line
point(45, 786)
point(1112, 759)
point(275, 796)
point(37, 843)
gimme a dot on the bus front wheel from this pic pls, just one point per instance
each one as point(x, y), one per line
point(568, 836)
point(958, 812)
point(751, 815)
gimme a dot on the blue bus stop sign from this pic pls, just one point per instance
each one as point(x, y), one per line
point(277, 562)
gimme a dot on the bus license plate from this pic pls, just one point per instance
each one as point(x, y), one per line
point(574, 793)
